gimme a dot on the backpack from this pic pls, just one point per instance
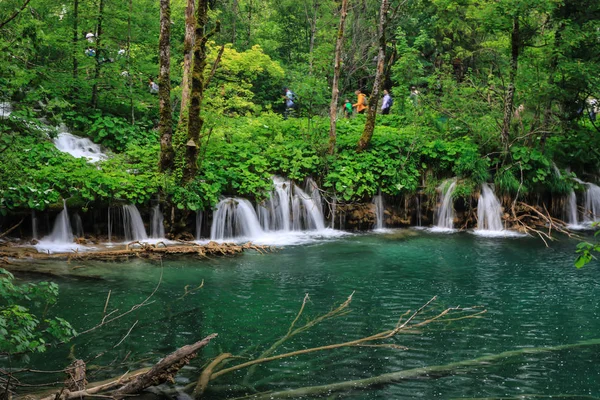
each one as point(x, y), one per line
point(391, 102)
point(293, 97)
point(365, 102)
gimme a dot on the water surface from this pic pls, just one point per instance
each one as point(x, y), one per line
point(533, 294)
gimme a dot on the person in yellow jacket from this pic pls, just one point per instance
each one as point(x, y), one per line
point(361, 102)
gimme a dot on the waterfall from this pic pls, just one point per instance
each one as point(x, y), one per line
point(571, 209)
point(62, 232)
point(133, 225)
point(489, 211)
point(157, 228)
point(379, 209)
point(78, 225)
point(34, 225)
point(288, 209)
point(445, 211)
point(418, 206)
point(235, 217)
point(198, 224)
point(78, 147)
point(5, 109)
point(333, 207)
point(591, 203)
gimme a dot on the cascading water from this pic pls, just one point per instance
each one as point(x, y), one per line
point(591, 202)
point(34, 225)
point(5, 109)
point(235, 217)
point(198, 224)
point(133, 225)
point(379, 211)
point(489, 210)
point(61, 232)
point(571, 209)
point(289, 210)
point(78, 225)
point(445, 212)
point(157, 227)
point(78, 147)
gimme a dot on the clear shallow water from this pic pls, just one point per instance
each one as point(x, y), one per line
point(534, 296)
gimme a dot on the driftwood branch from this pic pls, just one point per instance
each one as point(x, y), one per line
point(361, 384)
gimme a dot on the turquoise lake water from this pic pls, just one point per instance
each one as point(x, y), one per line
point(534, 296)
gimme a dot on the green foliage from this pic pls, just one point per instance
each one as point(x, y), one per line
point(24, 322)
point(586, 251)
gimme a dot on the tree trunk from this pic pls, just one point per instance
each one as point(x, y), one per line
point(234, 22)
point(312, 22)
point(75, 37)
point(336, 76)
point(165, 125)
point(188, 46)
point(195, 122)
point(510, 93)
point(98, 63)
point(363, 143)
point(128, 55)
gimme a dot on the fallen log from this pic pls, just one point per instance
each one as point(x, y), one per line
point(143, 250)
point(161, 372)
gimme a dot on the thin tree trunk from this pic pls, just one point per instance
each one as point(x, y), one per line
point(75, 36)
point(336, 76)
point(373, 100)
point(195, 122)
point(188, 46)
point(510, 93)
point(233, 23)
point(98, 63)
point(312, 21)
point(165, 125)
point(128, 55)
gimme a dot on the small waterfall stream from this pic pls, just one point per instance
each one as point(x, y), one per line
point(235, 217)
point(489, 211)
point(78, 147)
point(157, 228)
point(34, 226)
point(78, 225)
point(591, 200)
point(445, 212)
point(571, 209)
point(198, 224)
point(133, 225)
point(379, 211)
point(61, 232)
point(288, 209)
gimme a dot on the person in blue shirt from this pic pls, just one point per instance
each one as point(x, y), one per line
point(387, 102)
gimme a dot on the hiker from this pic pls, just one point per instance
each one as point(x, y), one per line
point(90, 37)
point(153, 86)
point(361, 102)
point(592, 108)
point(347, 109)
point(288, 99)
point(414, 96)
point(387, 102)
point(90, 52)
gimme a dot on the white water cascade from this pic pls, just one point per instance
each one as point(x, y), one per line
point(288, 211)
point(78, 224)
point(235, 217)
point(198, 224)
point(379, 211)
point(157, 227)
point(34, 226)
point(489, 211)
point(62, 231)
point(591, 201)
point(78, 147)
point(445, 212)
point(571, 209)
point(133, 225)
point(5, 109)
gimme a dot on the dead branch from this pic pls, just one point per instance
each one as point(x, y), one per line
point(400, 327)
point(361, 384)
point(12, 228)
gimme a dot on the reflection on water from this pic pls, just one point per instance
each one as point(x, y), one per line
point(534, 295)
